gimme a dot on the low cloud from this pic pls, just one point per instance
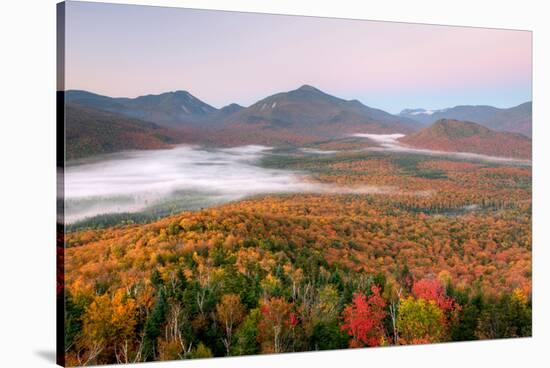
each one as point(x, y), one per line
point(135, 181)
point(390, 143)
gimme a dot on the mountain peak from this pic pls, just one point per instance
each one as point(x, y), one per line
point(308, 88)
point(231, 108)
point(169, 108)
point(180, 92)
point(457, 128)
point(234, 105)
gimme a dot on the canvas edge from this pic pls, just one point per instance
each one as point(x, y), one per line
point(60, 200)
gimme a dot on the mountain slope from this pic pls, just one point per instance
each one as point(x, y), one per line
point(462, 136)
point(311, 111)
point(225, 112)
point(517, 119)
point(297, 116)
point(91, 131)
point(170, 109)
point(301, 116)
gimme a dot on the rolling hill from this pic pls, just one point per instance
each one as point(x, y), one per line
point(90, 132)
point(517, 119)
point(463, 136)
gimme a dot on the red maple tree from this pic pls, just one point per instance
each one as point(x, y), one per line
point(363, 319)
point(432, 290)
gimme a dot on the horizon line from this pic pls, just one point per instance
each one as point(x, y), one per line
point(301, 86)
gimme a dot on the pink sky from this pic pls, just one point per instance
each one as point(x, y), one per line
point(224, 57)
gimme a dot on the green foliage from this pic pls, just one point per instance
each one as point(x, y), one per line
point(156, 279)
point(328, 335)
point(420, 321)
point(201, 351)
point(74, 309)
point(466, 324)
point(409, 164)
point(246, 337)
point(504, 317)
point(173, 229)
point(153, 326)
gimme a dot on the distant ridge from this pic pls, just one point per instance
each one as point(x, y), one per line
point(517, 119)
point(170, 108)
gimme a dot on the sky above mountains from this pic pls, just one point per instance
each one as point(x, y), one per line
point(225, 57)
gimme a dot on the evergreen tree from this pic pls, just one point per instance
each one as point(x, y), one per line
point(153, 326)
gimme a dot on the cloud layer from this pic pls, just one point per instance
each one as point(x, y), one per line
point(134, 181)
point(390, 143)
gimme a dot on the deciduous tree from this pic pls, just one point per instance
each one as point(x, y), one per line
point(420, 321)
point(278, 321)
point(363, 319)
point(229, 312)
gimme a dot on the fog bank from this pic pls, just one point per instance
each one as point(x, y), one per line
point(390, 143)
point(190, 176)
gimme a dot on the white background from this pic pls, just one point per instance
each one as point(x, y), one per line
point(27, 202)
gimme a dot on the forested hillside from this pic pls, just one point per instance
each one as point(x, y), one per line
point(90, 132)
point(464, 136)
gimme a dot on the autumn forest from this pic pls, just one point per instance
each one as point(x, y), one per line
point(439, 252)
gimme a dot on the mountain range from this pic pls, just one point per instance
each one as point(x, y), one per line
point(463, 136)
point(168, 109)
point(102, 124)
point(308, 109)
point(300, 110)
point(517, 119)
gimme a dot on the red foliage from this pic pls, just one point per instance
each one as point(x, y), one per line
point(292, 319)
point(277, 325)
point(431, 289)
point(461, 136)
point(363, 319)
